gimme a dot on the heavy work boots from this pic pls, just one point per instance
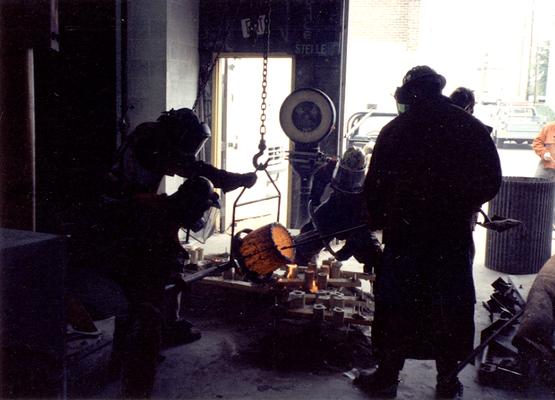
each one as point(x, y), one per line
point(378, 383)
point(383, 383)
point(451, 389)
point(140, 355)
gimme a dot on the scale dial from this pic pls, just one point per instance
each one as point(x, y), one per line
point(307, 115)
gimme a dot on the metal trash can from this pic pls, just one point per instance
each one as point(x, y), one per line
point(525, 248)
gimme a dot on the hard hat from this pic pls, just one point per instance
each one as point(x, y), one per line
point(419, 82)
point(422, 73)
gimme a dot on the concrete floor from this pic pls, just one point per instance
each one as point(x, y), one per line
point(243, 355)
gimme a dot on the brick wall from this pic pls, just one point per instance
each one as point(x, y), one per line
point(393, 21)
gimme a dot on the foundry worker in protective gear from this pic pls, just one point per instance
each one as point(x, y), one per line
point(138, 246)
point(344, 209)
point(431, 169)
point(145, 234)
point(168, 146)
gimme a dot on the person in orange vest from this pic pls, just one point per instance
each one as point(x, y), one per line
point(544, 146)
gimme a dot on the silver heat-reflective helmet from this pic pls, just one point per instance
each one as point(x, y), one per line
point(349, 173)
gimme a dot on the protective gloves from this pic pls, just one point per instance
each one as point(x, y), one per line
point(233, 181)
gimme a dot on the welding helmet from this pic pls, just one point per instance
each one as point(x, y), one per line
point(419, 82)
point(188, 134)
point(192, 200)
point(349, 173)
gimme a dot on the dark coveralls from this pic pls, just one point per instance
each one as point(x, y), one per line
point(134, 243)
point(432, 167)
point(156, 149)
point(341, 211)
point(124, 234)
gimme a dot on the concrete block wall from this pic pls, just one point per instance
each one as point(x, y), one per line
point(162, 65)
point(182, 53)
point(162, 57)
point(146, 59)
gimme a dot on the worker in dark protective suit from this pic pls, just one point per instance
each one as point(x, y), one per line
point(134, 242)
point(168, 146)
point(344, 209)
point(431, 169)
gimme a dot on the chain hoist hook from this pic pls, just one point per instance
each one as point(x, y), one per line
point(260, 166)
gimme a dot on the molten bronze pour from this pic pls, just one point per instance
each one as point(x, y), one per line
point(260, 252)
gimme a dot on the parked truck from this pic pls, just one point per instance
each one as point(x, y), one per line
point(519, 123)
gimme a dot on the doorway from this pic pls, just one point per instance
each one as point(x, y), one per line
point(238, 114)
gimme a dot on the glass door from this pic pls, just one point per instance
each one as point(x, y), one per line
point(239, 99)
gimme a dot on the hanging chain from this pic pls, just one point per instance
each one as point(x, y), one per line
point(206, 73)
point(264, 94)
point(204, 78)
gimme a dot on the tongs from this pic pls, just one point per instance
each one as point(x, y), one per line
point(497, 223)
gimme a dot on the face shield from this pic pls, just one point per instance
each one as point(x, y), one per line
point(192, 201)
point(402, 99)
point(188, 133)
point(205, 227)
point(193, 139)
point(350, 171)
